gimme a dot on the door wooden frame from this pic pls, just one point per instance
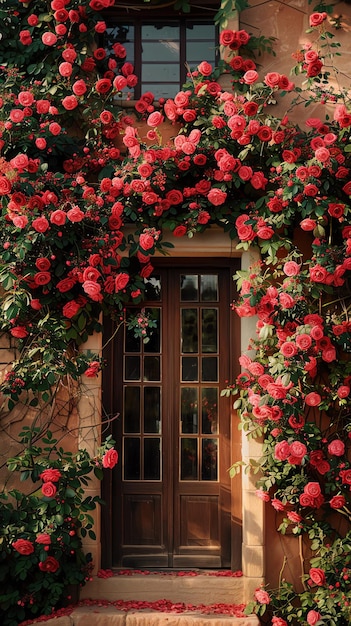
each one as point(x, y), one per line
point(110, 407)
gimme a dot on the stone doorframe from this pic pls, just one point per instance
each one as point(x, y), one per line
point(213, 243)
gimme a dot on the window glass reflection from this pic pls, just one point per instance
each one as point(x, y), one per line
point(132, 458)
point(188, 463)
point(190, 368)
point(209, 330)
point(189, 331)
point(209, 370)
point(209, 465)
point(209, 413)
point(189, 410)
point(152, 368)
point(152, 410)
point(132, 409)
point(152, 459)
point(132, 368)
point(209, 288)
point(189, 287)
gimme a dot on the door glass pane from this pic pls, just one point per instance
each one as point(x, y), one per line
point(209, 288)
point(209, 330)
point(189, 331)
point(152, 288)
point(152, 410)
point(152, 368)
point(132, 368)
point(209, 463)
point(152, 459)
point(132, 409)
point(154, 343)
point(209, 417)
point(190, 368)
point(132, 458)
point(209, 369)
point(131, 343)
point(188, 462)
point(189, 287)
point(189, 410)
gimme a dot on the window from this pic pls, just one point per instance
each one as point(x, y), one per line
point(163, 52)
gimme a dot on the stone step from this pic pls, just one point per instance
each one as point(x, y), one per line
point(204, 588)
point(109, 616)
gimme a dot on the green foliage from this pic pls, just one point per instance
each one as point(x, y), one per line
point(41, 529)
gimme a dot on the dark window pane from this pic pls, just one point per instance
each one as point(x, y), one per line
point(200, 31)
point(153, 345)
point(131, 343)
point(189, 331)
point(209, 399)
point(132, 410)
point(189, 288)
point(153, 288)
point(152, 368)
point(190, 368)
point(151, 32)
point(132, 458)
point(152, 410)
point(189, 414)
point(209, 369)
point(209, 288)
point(188, 462)
point(209, 459)
point(152, 459)
point(209, 330)
point(132, 368)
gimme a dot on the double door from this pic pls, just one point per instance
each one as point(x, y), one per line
point(171, 493)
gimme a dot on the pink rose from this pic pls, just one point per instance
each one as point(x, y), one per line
point(75, 214)
point(205, 68)
point(250, 77)
point(110, 458)
point(93, 290)
point(336, 447)
point(44, 539)
point(313, 399)
point(155, 119)
point(79, 87)
point(48, 489)
point(262, 596)
point(291, 268)
point(317, 18)
point(282, 450)
point(40, 224)
point(313, 617)
point(216, 196)
point(146, 241)
point(49, 39)
point(58, 217)
point(313, 489)
point(50, 475)
point(69, 103)
point(121, 281)
point(317, 576)
point(20, 221)
point(337, 502)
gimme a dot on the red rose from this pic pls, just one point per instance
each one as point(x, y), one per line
point(313, 399)
point(93, 290)
point(66, 284)
point(48, 489)
point(58, 217)
point(44, 539)
point(69, 103)
point(75, 214)
point(50, 475)
point(70, 309)
point(23, 546)
point(336, 447)
point(146, 241)
point(40, 224)
point(121, 281)
point(337, 502)
point(50, 565)
point(216, 196)
point(42, 278)
point(110, 458)
point(317, 18)
point(317, 576)
point(180, 231)
point(103, 85)
point(19, 332)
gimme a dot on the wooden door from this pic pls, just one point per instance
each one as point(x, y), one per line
point(171, 493)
